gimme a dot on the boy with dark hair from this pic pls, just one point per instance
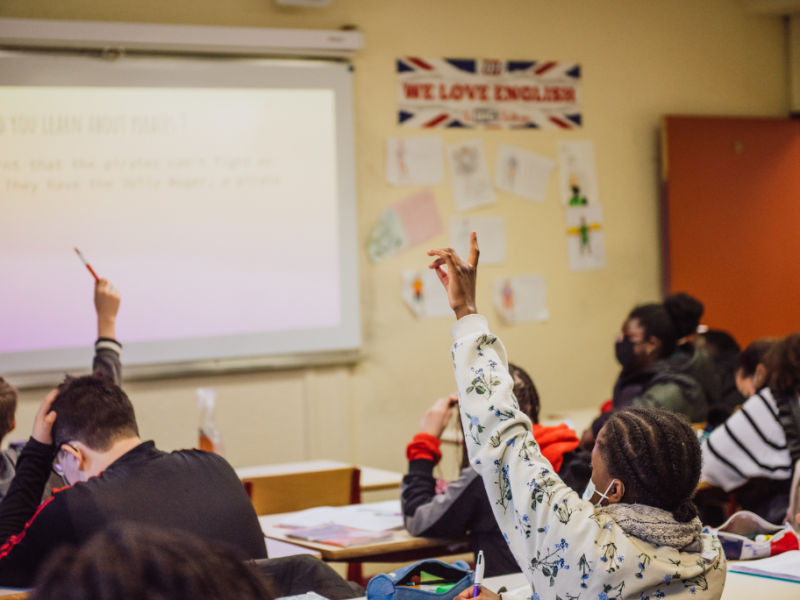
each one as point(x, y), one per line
point(106, 364)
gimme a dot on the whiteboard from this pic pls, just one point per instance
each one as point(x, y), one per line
point(217, 195)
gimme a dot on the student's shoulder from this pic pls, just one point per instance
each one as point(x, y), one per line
point(202, 459)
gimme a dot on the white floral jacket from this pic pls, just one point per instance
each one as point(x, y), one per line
point(565, 549)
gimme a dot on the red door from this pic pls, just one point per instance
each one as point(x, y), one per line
point(732, 221)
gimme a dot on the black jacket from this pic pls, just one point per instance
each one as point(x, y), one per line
point(190, 490)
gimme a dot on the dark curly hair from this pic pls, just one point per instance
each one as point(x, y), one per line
point(782, 361)
point(685, 312)
point(656, 455)
point(136, 562)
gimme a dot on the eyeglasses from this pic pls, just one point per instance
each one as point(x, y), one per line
point(58, 468)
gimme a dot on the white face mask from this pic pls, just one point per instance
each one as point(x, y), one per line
point(590, 490)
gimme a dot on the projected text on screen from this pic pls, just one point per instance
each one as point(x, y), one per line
point(214, 211)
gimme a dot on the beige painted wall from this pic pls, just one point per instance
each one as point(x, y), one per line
point(641, 59)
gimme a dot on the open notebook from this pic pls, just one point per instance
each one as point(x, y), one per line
point(781, 566)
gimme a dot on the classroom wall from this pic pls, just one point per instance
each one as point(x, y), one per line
point(641, 59)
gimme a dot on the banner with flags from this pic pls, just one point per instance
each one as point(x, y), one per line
point(488, 94)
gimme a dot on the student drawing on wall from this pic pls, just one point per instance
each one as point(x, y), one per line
point(417, 287)
point(511, 173)
point(402, 168)
point(508, 300)
point(586, 240)
point(577, 199)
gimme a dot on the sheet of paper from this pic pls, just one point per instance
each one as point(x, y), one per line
point(378, 516)
point(407, 223)
point(522, 173)
point(425, 295)
point(587, 248)
point(521, 299)
point(491, 237)
point(414, 160)
point(469, 175)
point(577, 173)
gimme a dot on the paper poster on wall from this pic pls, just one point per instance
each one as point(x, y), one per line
point(585, 238)
point(407, 223)
point(577, 173)
point(522, 173)
point(415, 160)
point(491, 237)
point(488, 93)
point(425, 295)
point(469, 175)
point(521, 299)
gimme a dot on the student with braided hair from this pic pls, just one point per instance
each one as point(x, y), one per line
point(634, 534)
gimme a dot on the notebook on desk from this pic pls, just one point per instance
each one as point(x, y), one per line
point(376, 517)
point(338, 535)
point(784, 566)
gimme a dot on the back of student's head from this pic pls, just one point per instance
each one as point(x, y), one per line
point(657, 323)
point(656, 455)
point(753, 355)
point(8, 407)
point(685, 312)
point(719, 343)
point(94, 411)
point(135, 562)
point(525, 392)
point(783, 366)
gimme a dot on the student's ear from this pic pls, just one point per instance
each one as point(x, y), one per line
point(13, 425)
point(616, 493)
point(652, 346)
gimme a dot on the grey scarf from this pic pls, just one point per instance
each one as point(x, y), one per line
point(656, 526)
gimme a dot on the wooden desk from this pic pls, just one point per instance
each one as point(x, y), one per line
point(371, 479)
point(14, 593)
point(403, 547)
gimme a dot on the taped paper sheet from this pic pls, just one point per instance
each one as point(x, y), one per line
point(577, 173)
point(425, 295)
point(491, 237)
point(587, 248)
point(522, 173)
point(406, 223)
point(469, 175)
point(414, 160)
point(521, 299)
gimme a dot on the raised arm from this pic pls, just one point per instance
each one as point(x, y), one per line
point(107, 348)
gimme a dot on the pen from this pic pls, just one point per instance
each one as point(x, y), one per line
point(476, 589)
point(88, 266)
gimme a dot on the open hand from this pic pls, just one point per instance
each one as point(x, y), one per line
point(44, 419)
point(460, 278)
point(106, 302)
point(436, 418)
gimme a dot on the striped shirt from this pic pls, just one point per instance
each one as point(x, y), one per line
point(751, 443)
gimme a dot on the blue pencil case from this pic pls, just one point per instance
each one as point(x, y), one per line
point(395, 586)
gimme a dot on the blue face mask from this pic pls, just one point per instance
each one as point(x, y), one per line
point(590, 490)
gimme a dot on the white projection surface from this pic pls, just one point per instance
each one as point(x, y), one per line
point(217, 196)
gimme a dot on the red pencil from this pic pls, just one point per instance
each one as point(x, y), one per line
point(88, 266)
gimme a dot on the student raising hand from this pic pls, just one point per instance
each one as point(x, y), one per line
point(460, 278)
point(106, 302)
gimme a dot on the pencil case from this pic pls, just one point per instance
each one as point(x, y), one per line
point(396, 586)
point(746, 536)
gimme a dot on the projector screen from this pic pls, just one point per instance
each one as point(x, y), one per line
point(217, 195)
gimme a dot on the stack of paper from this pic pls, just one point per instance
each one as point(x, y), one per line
point(781, 566)
point(338, 535)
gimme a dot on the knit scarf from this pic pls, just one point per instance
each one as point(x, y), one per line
point(656, 526)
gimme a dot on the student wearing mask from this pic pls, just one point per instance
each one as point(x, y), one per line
point(661, 367)
point(634, 534)
point(464, 507)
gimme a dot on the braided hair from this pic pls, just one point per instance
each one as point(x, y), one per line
point(656, 455)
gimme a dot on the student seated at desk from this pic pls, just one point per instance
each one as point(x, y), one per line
point(724, 352)
point(464, 507)
point(661, 367)
point(634, 534)
point(106, 362)
point(748, 453)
